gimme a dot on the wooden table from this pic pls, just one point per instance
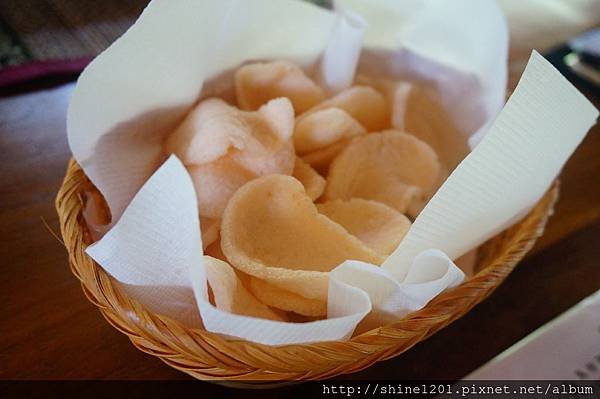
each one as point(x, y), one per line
point(50, 331)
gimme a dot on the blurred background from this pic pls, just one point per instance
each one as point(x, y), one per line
point(77, 30)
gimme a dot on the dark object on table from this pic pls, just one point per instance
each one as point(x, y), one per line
point(579, 60)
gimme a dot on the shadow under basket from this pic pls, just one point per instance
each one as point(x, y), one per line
point(209, 356)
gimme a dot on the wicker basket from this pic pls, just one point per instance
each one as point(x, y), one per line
point(208, 356)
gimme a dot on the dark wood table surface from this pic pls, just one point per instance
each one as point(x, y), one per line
point(50, 331)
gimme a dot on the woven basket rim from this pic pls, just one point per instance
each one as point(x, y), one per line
point(207, 355)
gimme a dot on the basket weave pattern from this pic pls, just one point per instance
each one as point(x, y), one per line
point(209, 356)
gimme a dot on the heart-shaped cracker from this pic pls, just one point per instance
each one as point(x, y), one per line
point(323, 128)
point(264, 162)
point(213, 127)
point(257, 83)
point(223, 148)
point(418, 110)
point(272, 230)
point(390, 167)
point(230, 294)
point(362, 103)
point(286, 300)
point(215, 183)
point(377, 225)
